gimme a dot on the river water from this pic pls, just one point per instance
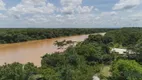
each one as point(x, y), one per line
point(32, 51)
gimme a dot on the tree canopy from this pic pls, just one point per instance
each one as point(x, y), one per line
point(80, 62)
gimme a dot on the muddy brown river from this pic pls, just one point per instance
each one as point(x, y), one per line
point(32, 51)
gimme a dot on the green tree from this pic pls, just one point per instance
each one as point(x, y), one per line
point(126, 70)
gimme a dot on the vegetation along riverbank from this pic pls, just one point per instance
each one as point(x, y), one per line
point(21, 35)
point(91, 58)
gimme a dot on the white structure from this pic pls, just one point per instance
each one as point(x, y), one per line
point(118, 50)
point(96, 78)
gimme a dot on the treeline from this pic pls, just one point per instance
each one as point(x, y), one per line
point(81, 62)
point(21, 35)
point(126, 36)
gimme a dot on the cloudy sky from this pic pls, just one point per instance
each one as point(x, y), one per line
point(70, 13)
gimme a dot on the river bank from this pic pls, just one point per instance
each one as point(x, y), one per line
point(32, 51)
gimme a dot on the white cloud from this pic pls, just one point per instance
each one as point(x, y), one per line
point(96, 9)
point(33, 7)
point(84, 9)
point(2, 5)
point(126, 4)
point(137, 14)
point(2, 16)
point(37, 19)
point(67, 10)
point(49, 8)
point(112, 13)
point(71, 17)
point(74, 6)
point(59, 16)
point(97, 18)
point(69, 6)
point(79, 9)
point(41, 13)
point(34, 2)
point(73, 3)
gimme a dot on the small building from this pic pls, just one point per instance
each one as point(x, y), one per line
point(122, 51)
point(118, 50)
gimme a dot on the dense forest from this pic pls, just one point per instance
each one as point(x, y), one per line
point(86, 60)
point(126, 36)
point(21, 35)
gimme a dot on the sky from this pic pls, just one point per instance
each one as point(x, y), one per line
point(70, 13)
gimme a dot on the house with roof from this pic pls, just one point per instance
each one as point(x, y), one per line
point(122, 51)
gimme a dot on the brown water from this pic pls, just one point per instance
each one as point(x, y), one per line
point(31, 51)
